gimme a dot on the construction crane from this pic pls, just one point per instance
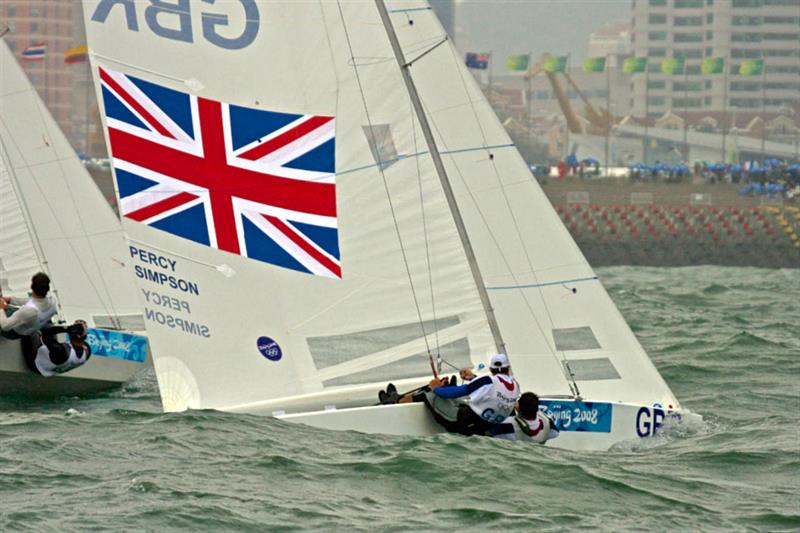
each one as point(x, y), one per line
point(598, 120)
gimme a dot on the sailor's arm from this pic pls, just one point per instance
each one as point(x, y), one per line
point(462, 390)
point(20, 317)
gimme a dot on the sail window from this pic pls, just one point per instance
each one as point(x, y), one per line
point(381, 144)
point(591, 369)
point(455, 353)
point(336, 349)
point(575, 339)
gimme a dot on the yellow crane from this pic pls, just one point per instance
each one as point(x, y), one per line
point(598, 120)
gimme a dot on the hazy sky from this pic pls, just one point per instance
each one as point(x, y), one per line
point(518, 26)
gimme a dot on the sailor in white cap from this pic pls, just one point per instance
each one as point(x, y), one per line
point(491, 399)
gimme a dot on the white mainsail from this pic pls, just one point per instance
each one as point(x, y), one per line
point(52, 215)
point(266, 328)
point(405, 286)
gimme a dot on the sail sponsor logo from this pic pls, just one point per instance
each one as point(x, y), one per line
point(269, 349)
point(173, 19)
point(579, 416)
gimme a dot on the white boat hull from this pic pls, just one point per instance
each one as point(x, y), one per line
point(592, 430)
point(109, 367)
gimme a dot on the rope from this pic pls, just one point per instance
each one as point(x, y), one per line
point(427, 249)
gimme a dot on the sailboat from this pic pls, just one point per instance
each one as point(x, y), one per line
point(53, 218)
point(337, 206)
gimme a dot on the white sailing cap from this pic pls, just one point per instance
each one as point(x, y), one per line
point(499, 360)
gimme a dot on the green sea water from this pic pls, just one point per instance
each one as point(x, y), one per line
point(727, 340)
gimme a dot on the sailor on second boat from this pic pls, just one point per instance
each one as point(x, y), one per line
point(492, 399)
point(20, 317)
point(45, 355)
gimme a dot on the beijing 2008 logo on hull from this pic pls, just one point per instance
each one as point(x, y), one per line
point(269, 349)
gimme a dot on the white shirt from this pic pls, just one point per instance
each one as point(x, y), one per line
point(32, 315)
point(539, 428)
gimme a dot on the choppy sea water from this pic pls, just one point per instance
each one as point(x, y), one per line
point(727, 340)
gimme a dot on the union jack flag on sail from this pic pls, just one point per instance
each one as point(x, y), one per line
point(247, 181)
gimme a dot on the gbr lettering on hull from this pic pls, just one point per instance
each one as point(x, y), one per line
point(172, 19)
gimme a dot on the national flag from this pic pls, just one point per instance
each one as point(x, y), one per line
point(76, 55)
point(632, 65)
point(35, 52)
point(673, 65)
point(713, 65)
point(477, 61)
point(517, 62)
point(594, 64)
point(754, 67)
point(256, 183)
point(555, 64)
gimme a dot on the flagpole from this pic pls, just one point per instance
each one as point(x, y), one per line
point(489, 66)
point(646, 107)
point(528, 96)
point(685, 110)
point(763, 111)
point(608, 108)
point(725, 68)
point(566, 119)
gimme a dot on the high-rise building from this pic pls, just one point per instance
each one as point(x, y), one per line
point(612, 40)
point(734, 30)
point(52, 27)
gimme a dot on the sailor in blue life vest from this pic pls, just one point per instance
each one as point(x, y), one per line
point(45, 355)
point(490, 399)
point(529, 424)
point(20, 317)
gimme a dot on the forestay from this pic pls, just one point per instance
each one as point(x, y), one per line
point(562, 331)
point(52, 215)
point(291, 238)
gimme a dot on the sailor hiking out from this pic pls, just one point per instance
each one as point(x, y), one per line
point(20, 317)
point(529, 424)
point(45, 355)
point(490, 399)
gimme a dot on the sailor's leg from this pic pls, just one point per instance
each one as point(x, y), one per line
point(30, 345)
point(469, 423)
point(444, 410)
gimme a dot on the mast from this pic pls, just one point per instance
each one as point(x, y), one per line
point(440, 171)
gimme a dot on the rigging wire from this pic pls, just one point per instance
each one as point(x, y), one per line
point(377, 152)
point(427, 247)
